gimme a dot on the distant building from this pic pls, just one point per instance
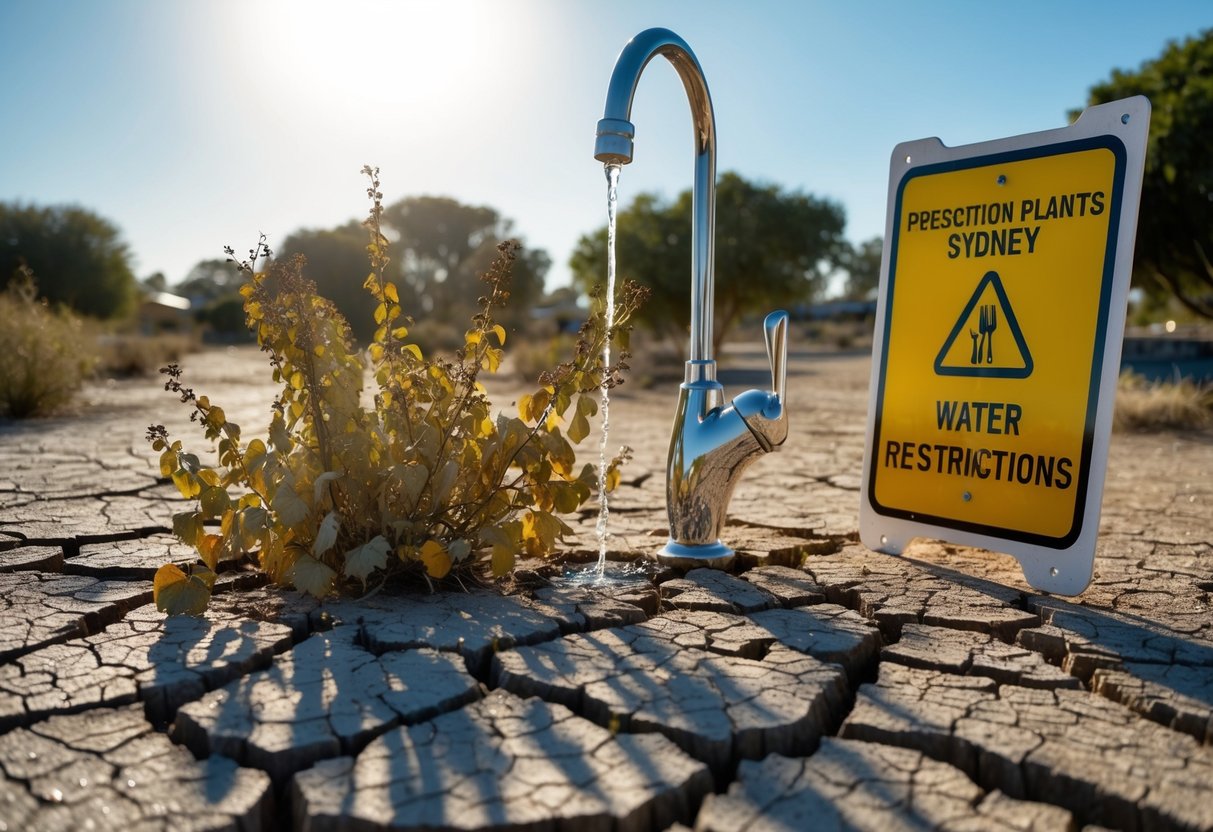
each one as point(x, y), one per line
point(164, 312)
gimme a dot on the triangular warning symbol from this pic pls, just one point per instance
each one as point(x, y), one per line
point(986, 341)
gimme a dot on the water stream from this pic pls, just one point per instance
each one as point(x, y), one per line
point(604, 509)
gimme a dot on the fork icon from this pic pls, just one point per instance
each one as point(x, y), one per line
point(987, 322)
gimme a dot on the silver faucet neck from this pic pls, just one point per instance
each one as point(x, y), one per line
point(613, 146)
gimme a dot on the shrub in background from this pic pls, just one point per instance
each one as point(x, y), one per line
point(45, 354)
point(427, 480)
point(126, 355)
point(1143, 405)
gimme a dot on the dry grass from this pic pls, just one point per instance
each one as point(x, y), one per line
point(45, 354)
point(1143, 405)
point(141, 355)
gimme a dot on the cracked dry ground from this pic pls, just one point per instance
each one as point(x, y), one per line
point(821, 686)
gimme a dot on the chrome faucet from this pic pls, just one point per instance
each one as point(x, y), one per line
point(712, 443)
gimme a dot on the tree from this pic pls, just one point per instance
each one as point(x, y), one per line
point(210, 280)
point(863, 269)
point(77, 256)
point(337, 264)
point(463, 285)
point(155, 282)
point(1174, 252)
point(439, 248)
point(773, 248)
point(443, 246)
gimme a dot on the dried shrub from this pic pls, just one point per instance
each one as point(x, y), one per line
point(45, 354)
point(426, 481)
point(1143, 405)
point(126, 355)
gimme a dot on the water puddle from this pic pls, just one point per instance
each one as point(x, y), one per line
point(611, 573)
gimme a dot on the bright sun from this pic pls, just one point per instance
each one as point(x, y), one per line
point(358, 56)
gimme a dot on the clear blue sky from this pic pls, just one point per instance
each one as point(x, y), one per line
point(197, 123)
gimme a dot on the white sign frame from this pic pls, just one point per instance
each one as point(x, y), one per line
point(1063, 569)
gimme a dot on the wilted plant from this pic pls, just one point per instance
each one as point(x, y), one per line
point(46, 353)
point(427, 480)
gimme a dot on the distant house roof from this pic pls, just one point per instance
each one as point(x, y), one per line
point(170, 300)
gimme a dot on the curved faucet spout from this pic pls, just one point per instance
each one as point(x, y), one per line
point(614, 144)
point(712, 443)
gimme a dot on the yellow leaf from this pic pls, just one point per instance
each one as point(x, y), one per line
point(208, 550)
point(414, 349)
point(503, 561)
point(579, 428)
point(280, 437)
point(288, 505)
point(214, 501)
point(389, 292)
point(437, 561)
point(254, 453)
point(361, 561)
point(297, 380)
point(491, 360)
point(313, 577)
point(399, 332)
point(500, 330)
point(472, 338)
point(539, 403)
point(376, 351)
point(326, 535)
point(168, 463)
point(380, 313)
point(215, 417)
point(186, 483)
point(525, 402)
point(177, 593)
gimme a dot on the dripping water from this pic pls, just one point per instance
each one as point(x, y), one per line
point(604, 510)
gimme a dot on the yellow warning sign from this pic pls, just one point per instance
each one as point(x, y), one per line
point(996, 308)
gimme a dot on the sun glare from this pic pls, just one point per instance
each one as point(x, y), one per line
point(364, 56)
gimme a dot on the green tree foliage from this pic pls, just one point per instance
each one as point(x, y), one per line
point(210, 280)
point(334, 258)
point(155, 282)
point(226, 316)
point(439, 247)
point(1174, 253)
point(79, 257)
point(772, 248)
point(863, 269)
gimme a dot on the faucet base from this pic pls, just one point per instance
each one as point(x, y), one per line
point(682, 556)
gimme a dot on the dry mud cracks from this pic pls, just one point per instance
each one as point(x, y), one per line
point(822, 687)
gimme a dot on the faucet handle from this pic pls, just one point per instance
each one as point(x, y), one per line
point(775, 329)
